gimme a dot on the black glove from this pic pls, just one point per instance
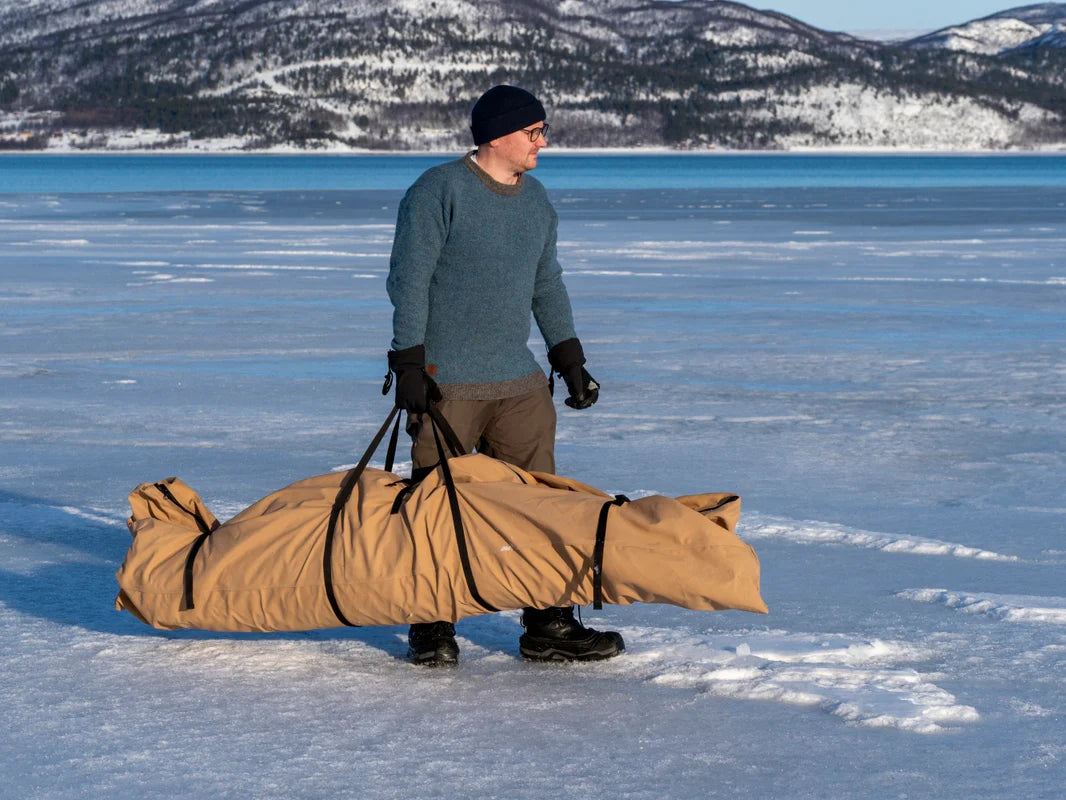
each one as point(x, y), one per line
point(567, 359)
point(415, 390)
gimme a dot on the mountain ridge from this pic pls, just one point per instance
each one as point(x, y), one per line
point(402, 74)
point(1023, 26)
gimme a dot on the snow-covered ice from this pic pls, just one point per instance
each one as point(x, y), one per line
point(1012, 608)
point(878, 372)
point(760, 527)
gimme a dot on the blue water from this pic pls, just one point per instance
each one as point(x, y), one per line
point(168, 173)
point(879, 371)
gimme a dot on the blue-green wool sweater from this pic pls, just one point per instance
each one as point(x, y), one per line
point(471, 259)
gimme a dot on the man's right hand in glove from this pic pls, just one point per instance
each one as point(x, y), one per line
point(415, 390)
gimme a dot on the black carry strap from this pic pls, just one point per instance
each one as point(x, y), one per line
point(187, 603)
point(205, 531)
point(457, 519)
point(344, 494)
point(597, 551)
point(390, 452)
point(451, 439)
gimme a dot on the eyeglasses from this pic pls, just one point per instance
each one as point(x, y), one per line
point(536, 133)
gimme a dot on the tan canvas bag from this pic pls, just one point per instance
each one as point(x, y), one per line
point(477, 535)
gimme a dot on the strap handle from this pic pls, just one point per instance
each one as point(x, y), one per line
point(450, 437)
point(457, 519)
point(206, 530)
point(597, 550)
point(390, 453)
point(343, 495)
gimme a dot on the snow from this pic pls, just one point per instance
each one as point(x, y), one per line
point(859, 115)
point(854, 680)
point(878, 372)
point(999, 33)
point(1012, 608)
point(989, 36)
point(849, 118)
point(372, 77)
point(828, 533)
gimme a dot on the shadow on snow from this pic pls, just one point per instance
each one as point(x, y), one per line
point(68, 578)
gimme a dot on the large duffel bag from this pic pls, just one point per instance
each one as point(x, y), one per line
point(367, 547)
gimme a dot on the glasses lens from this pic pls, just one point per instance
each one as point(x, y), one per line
point(536, 133)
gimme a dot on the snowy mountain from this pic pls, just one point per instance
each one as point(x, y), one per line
point(402, 74)
point(1042, 25)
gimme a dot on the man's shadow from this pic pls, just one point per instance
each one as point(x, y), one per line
point(59, 564)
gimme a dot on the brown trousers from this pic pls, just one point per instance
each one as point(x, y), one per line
point(519, 430)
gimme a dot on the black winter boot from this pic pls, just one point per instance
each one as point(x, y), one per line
point(552, 634)
point(432, 644)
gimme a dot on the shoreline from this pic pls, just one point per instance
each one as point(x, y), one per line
point(1051, 150)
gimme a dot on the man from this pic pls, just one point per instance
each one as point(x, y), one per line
point(474, 254)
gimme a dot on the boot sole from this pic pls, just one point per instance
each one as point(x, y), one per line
point(556, 652)
point(434, 658)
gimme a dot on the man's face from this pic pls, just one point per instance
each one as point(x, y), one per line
point(518, 152)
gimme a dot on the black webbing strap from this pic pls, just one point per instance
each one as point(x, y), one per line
point(450, 438)
point(390, 453)
point(205, 531)
point(597, 550)
point(401, 496)
point(187, 603)
point(343, 495)
point(457, 519)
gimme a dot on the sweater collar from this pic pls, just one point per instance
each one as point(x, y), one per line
point(491, 182)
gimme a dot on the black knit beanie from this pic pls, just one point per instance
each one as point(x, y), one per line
point(503, 110)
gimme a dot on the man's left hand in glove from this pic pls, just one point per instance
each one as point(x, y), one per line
point(567, 360)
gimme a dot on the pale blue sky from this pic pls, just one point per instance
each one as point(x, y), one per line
point(909, 15)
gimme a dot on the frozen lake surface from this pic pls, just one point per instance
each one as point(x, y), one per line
point(879, 373)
